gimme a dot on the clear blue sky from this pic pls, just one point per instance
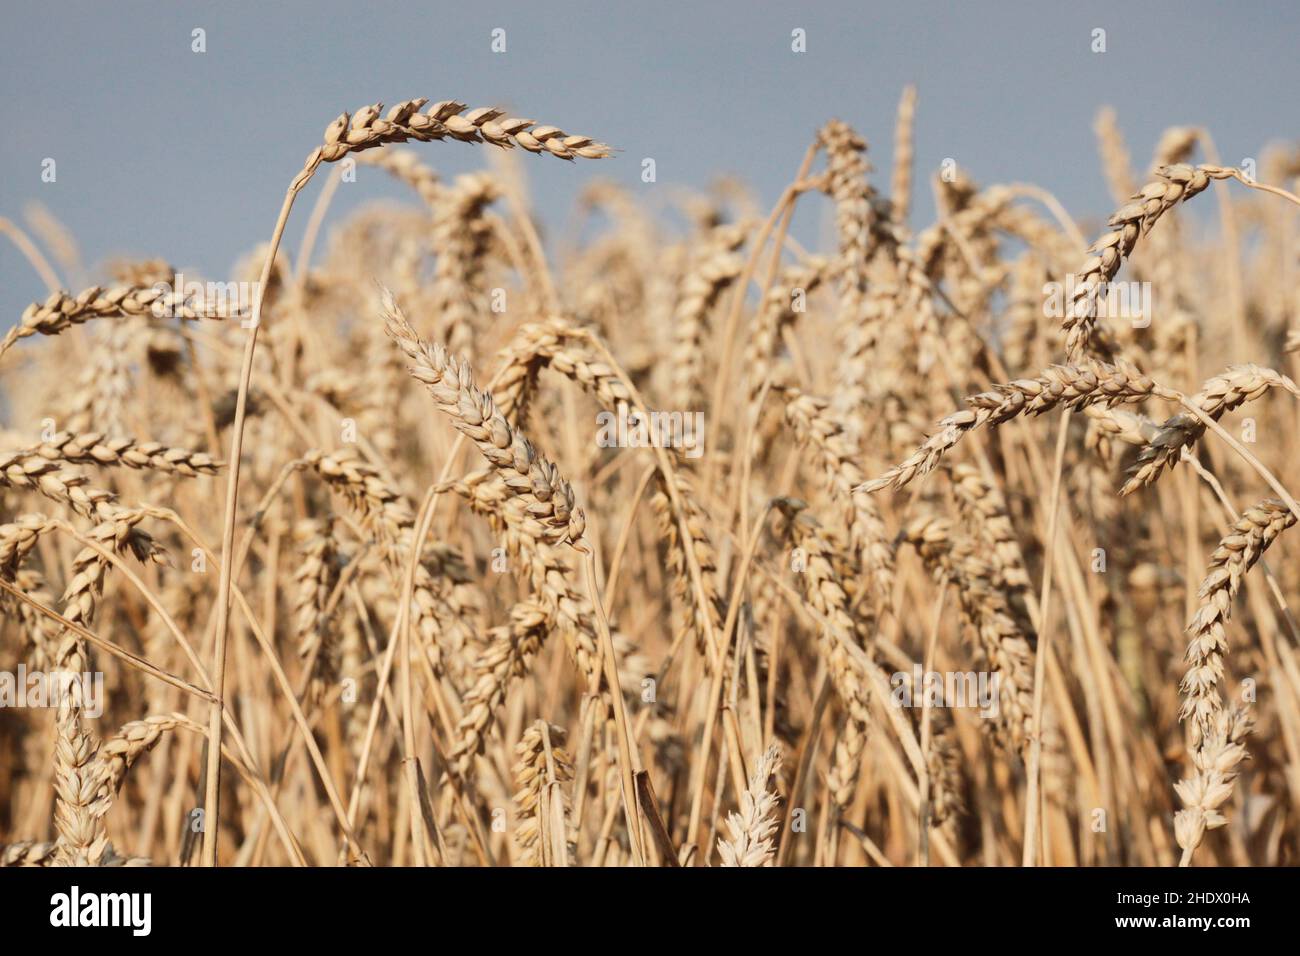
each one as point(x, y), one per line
point(162, 151)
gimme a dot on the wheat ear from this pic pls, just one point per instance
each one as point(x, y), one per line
point(526, 473)
point(749, 833)
point(1072, 386)
point(62, 310)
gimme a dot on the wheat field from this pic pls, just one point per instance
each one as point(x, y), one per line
point(661, 539)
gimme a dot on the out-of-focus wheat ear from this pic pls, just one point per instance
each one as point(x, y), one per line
point(40, 631)
point(900, 185)
point(685, 605)
point(544, 828)
point(1001, 639)
point(507, 658)
point(387, 515)
point(462, 238)
point(838, 454)
point(1116, 162)
point(406, 166)
point(714, 267)
point(985, 510)
point(27, 853)
point(314, 579)
point(824, 591)
point(96, 448)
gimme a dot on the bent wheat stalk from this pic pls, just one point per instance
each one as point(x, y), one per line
point(366, 129)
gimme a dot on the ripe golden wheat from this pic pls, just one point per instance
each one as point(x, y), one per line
point(463, 607)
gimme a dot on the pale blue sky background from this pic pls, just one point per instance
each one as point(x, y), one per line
point(162, 151)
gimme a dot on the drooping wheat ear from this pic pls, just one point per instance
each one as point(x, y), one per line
point(509, 655)
point(462, 238)
point(568, 609)
point(118, 753)
point(1073, 386)
point(544, 829)
point(79, 807)
point(715, 266)
point(985, 510)
point(1222, 393)
point(63, 310)
point(314, 580)
point(943, 764)
point(18, 539)
point(749, 833)
point(984, 605)
point(120, 534)
point(526, 473)
point(782, 306)
point(386, 515)
point(838, 454)
point(1256, 529)
point(27, 853)
point(558, 344)
point(685, 606)
point(405, 165)
point(95, 448)
point(29, 470)
point(40, 631)
point(1215, 761)
point(1114, 424)
point(1172, 185)
point(835, 625)
point(366, 129)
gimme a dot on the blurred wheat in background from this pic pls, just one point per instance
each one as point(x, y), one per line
point(444, 613)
